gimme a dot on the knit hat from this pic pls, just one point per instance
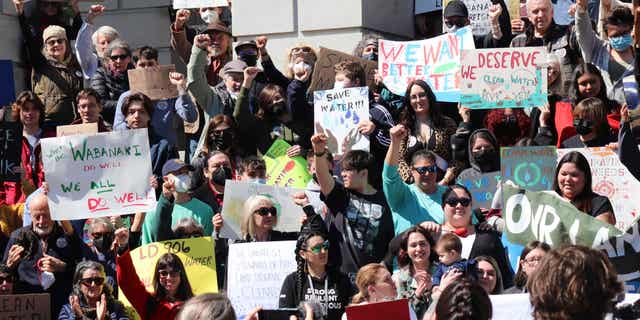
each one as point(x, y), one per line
point(54, 31)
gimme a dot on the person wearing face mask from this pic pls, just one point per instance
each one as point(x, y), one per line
point(101, 236)
point(270, 122)
point(218, 49)
point(456, 16)
point(217, 169)
point(300, 57)
point(508, 125)
point(590, 122)
point(615, 57)
point(175, 198)
point(222, 136)
point(484, 155)
point(253, 170)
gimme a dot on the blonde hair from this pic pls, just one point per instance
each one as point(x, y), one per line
point(313, 55)
point(367, 276)
point(248, 226)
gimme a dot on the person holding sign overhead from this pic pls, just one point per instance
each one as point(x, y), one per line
point(572, 181)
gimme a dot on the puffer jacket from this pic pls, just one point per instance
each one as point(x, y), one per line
point(55, 83)
point(109, 87)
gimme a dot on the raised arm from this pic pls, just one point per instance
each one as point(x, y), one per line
point(179, 42)
point(197, 78)
point(325, 180)
point(185, 108)
point(585, 34)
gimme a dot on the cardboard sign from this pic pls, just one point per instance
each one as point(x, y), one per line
point(153, 83)
point(25, 306)
point(482, 188)
point(236, 194)
point(435, 60)
point(531, 168)
point(423, 6)
point(193, 4)
point(546, 217)
point(197, 256)
point(7, 83)
point(256, 273)
point(284, 171)
point(10, 150)
point(73, 129)
point(397, 310)
point(610, 178)
point(98, 175)
point(504, 78)
point(337, 114)
point(323, 75)
point(478, 15)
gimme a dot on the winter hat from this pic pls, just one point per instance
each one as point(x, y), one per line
point(54, 31)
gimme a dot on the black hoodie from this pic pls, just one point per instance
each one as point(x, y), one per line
point(478, 169)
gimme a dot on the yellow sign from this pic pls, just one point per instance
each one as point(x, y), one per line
point(197, 256)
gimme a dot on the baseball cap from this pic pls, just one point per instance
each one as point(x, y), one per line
point(173, 165)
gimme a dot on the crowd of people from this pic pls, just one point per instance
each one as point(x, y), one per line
point(391, 223)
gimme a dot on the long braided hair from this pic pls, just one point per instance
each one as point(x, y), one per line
point(301, 269)
point(464, 300)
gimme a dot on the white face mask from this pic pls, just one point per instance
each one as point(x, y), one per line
point(182, 183)
point(453, 29)
point(301, 65)
point(338, 85)
point(209, 16)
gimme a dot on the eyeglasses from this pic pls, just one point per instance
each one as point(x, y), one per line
point(53, 42)
point(119, 56)
point(89, 281)
point(184, 235)
point(533, 260)
point(167, 273)
point(425, 169)
point(300, 49)
point(418, 96)
point(318, 248)
point(265, 211)
point(453, 201)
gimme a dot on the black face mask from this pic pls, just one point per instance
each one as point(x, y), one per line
point(221, 175)
point(103, 243)
point(221, 140)
point(250, 59)
point(371, 56)
point(484, 156)
point(277, 109)
point(583, 127)
point(510, 120)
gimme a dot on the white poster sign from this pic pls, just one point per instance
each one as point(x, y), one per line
point(98, 175)
point(337, 114)
point(236, 194)
point(256, 273)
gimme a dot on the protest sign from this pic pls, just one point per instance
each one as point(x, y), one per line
point(610, 178)
point(435, 60)
point(284, 171)
point(98, 175)
point(256, 273)
point(546, 217)
point(482, 188)
point(25, 306)
point(10, 150)
point(7, 83)
point(396, 309)
point(478, 15)
point(504, 78)
point(154, 83)
point(531, 168)
point(197, 256)
point(337, 114)
point(193, 4)
point(73, 129)
point(324, 75)
point(236, 194)
point(423, 6)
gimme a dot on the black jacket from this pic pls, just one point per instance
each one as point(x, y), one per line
point(109, 87)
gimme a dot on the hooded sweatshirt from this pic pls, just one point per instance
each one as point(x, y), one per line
point(477, 168)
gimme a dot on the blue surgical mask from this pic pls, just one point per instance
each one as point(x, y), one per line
point(622, 42)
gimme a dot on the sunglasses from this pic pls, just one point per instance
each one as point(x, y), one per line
point(53, 42)
point(318, 248)
point(301, 49)
point(120, 56)
point(425, 169)
point(89, 281)
point(264, 211)
point(99, 234)
point(453, 201)
point(583, 122)
point(166, 273)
